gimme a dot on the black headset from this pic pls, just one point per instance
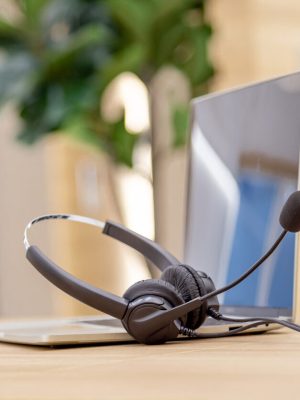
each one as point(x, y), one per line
point(158, 310)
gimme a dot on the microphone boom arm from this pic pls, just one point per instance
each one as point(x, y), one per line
point(162, 318)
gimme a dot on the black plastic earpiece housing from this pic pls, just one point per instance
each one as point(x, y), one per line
point(145, 298)
point(135, 325)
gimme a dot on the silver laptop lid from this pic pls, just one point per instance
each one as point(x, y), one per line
point(244, 151)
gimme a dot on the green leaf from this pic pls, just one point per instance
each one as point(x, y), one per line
point(62, 54)
point(198, 67)
point(79, 97)
point(166, 8)
point(17, 77)
point(63, 58)
point(134, 16)
point(180, 117)
point(10, 34)
point(129, 59)
point(169, 41)
point(78, 128)
point(32, 10)
point(122, 143)
point(35, 124)
point(31, 133)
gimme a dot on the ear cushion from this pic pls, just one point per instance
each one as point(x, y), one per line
point(190, 285)
point(154, 287)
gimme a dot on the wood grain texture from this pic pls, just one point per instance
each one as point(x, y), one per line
point(169, 90)
point(253, 40)
point(245, 367)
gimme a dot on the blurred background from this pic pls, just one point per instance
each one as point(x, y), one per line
point(94, 121)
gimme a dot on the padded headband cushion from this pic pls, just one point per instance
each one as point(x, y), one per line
point(190, 285)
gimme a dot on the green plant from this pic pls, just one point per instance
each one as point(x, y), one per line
point(60, 55)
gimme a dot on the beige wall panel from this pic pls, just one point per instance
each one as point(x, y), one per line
point(22, 196)
point(254, 40)
point(81, 181)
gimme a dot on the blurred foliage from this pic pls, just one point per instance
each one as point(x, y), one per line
point(58, 56)
point(180, 124)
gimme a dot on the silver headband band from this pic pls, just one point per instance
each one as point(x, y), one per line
point(70, 217)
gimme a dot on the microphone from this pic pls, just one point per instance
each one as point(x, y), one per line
point(289, 220)
point(290, 215)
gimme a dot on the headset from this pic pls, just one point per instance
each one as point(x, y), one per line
point(154, 311)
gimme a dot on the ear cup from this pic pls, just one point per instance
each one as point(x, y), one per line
point(145, 298)
point(154, 287)
point(190, 285)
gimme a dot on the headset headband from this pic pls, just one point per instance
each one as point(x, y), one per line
point(82, 291)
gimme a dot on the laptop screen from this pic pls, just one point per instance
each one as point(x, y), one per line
point(244, 157)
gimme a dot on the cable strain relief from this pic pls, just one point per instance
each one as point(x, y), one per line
point(214, 313)
point(187, 332)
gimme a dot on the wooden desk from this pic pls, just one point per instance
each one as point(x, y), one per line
point(246, 367)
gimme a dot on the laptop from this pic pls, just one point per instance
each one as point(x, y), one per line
point(244, 158)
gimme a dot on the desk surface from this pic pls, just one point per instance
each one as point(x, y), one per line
point(228, 368)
